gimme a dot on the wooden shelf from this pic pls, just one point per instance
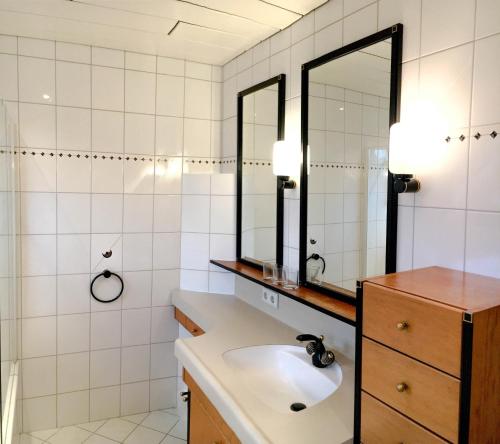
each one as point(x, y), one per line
point(312, 298)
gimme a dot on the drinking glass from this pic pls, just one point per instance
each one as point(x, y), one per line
point(278, 274)
point(291, 278)
point(267, 270)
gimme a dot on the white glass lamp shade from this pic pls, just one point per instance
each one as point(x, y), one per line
point(401, 150)
point(284, 159)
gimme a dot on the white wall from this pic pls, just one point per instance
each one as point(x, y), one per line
point(102, 157)
point(450, 65)
point(208, 231)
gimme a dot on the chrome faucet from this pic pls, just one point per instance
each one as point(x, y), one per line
point(321, 357)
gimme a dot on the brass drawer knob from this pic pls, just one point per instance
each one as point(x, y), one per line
point(402, 387)
point(403, 325)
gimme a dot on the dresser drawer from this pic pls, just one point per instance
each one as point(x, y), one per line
point(420, 392)
point(382, 425)
point(428, 331)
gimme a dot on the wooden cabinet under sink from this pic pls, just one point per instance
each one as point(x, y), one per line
point(428, 358)
point(206, 425)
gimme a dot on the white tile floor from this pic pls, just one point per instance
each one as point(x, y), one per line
point(161, 427)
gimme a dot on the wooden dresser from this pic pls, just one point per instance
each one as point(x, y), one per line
point(428, 358)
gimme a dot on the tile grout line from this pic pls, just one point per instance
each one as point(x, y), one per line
point(414, 212)
point(91, 237)
point(20, 224)
point(128, 271)
point(95, 47)
point(57, 248)
point(115, 111)
point(469, 147)
point(151, 277)
point(120, 393)
point(209, 235)
point(98, 350)
point(179, 258)
point(106, 421)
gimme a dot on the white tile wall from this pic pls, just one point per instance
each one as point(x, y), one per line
point(86, 103)
point(36, 80)
point(73, 84)
point(98, 129)
point(449, 68)
point(208, 231)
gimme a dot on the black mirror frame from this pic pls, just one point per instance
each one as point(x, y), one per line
point(395, 33)
point(281, 81)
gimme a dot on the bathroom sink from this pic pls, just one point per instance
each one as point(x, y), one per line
point(283, 377)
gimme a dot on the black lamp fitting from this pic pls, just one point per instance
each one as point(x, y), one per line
point(406, 183)
point(287, 183)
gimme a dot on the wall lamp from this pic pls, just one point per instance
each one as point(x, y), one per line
point(401, 159)
point(284, 163)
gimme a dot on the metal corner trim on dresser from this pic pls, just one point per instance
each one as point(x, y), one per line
point(357, 363)
point(478, 299)
point(466, 373)
point(280, 80)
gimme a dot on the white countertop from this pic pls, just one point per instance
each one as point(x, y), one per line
point(230, 323)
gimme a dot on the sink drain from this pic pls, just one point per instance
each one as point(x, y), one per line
point(297, 407)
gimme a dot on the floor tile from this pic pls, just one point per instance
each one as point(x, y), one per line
point(136, 419)
point(69, 435)
point(172, 440)
point(27, 439)
point(116, 429)
point(180, 430)
point(96, 439)
point(44, 434)
point(142, 435)
point(160, 421)
point(91, 426)
point(126, 429)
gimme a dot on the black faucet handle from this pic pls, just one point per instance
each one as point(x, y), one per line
point(327, 358)
point(309, 337)
point(312, 348)
point(315, 345)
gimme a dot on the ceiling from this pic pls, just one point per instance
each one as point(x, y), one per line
point(367, 70)
point(208, 31)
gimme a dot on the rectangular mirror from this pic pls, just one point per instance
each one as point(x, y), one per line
point(259, 219)
point(350, 97)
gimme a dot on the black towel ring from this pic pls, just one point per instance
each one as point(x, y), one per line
point(107, 274)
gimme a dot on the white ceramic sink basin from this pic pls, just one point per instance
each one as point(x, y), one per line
point(281, 375)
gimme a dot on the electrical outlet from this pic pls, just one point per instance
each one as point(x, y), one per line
point(270, 298)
